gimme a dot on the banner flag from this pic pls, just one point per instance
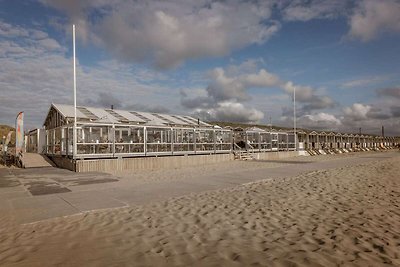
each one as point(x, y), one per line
point(9, 137)
point(7, 141)
point(19, 138)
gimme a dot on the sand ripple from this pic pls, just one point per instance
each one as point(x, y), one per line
point(338, 217)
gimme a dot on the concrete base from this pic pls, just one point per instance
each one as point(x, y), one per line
point(303, 153)
point(63, 162)
point(275, 155)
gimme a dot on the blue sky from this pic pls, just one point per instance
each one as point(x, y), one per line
point(217, 60)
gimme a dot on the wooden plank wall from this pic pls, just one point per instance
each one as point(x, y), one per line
point(148, 163)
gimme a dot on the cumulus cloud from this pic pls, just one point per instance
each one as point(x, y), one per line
point(231, 85)
point(33, 75)
point(231, 111)
point(320, 121)
point(372, 18)
point(261, 79)
point(309, 97)
point(323, 117)
point(223, 87)
point(357, 111)
point(143, 31)
point(370, 117)
point(167, 34)
point(78, 12)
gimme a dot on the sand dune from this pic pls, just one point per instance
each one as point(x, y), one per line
point(338, 217)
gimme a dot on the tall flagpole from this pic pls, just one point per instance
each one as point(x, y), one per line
point(74, 130)
point(294, 118)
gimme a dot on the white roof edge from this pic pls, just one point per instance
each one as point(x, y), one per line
point(62, 108)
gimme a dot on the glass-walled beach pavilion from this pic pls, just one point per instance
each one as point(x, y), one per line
point(109, 133)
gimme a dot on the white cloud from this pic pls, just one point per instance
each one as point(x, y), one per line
point(357, 111)
point(166, 34)
point(37, 71)
point(365, 81)
point(323, 117)
point(319, 121)
point(304, 10)
point(232, 112)
point(10, 31)
point(143, 31)
point(231, 85)
point(261, 79)
point(372, 18)
point(370, 118)
point(309, 97)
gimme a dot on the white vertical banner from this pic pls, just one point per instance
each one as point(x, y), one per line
point(19, 138)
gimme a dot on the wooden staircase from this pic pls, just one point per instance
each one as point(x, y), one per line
point(241, 154)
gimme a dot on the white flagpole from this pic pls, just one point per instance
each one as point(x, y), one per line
point(294, 118)
point(74, 130)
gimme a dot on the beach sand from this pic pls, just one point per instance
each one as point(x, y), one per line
point(339, 217)
point(187, 172)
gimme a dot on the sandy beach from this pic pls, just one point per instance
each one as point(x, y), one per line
point(348, 216)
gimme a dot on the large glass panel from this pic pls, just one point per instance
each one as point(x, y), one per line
point(70, 143)
point(291, 141)
point(95, 139)
point(57, 141)
point(64, 140)
point(223, 140)
point(159, 140)
point(252, 140)
point(129, 139)
point(300, 137)
point(282, 140)
point(183, 140)
point(204, 140)
point(265, 141)
point(32, 145)
point(50, 141)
